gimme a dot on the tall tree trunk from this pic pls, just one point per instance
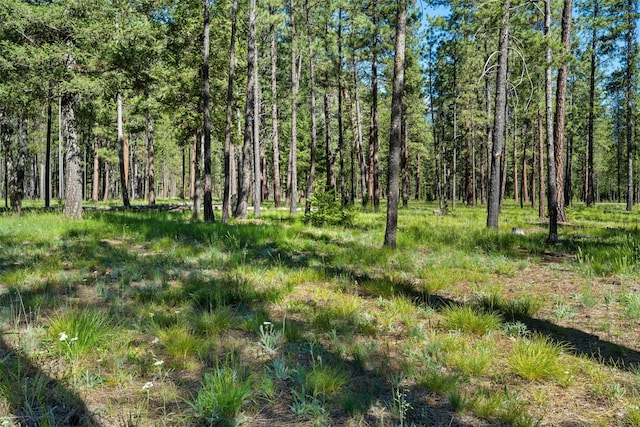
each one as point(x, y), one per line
point(540, 166)
point(486, 182)
point(551, 162)
point(228, 177)
point(106, 177)
point(589, 193)
point(253, 59)
point(295, 85)
point(60, 151)
point(245, 171)
point(151, 183)
point(395, 134)
point(418, 176)
point(454, 171)
point(95, 188)
point(628, 83)
point(206, 119)
point(561, 96)
point(516, 188)
point(404, 162)
point(314, 125)
point(73, 187)
point(329, 155)
point(343, 196)
point(47, 159)
point(469, 194)
point(499, 122)
point(197, 147)
point(504, 159)
point(274, 113)
point(524, 185)
point(359, 145)
point(436, 149)
point(374, 144)
point(122, 154)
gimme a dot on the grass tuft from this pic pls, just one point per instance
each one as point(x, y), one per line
point(221, 397)
point(537, 358)
point(467, 319)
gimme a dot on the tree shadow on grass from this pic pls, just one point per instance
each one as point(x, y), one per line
point(33, 398)
point(262, 247)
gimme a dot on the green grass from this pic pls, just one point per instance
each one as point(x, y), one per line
point(221, 397)
point(78, 333)
point(462, 314)
point(537, 358)
point(467, 319)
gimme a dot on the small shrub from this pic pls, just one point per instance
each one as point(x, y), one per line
point(327, 209)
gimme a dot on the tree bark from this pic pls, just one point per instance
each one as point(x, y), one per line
point(343, 196)
point(73, 190)
point(47, 160)
point(493, 205)
point(151, 183)
point(206, 119)
point(274, 114)
point(561, 97)
point(123, 156)
point(295, 85)
point(551, 162)
point(359, 145)
point(373, 184)
point(540, 166)
point(404, 163)
point(314, 125)
point(61, 158)
point(589, 193)
point(628, 83)
point(95, 188)
point(228, 178)
point(197, 146)
point(245, 171)
point(255, 125)
point(395, 134)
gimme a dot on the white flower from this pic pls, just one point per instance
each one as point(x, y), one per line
point(155, 341)
point(177, 312)
point(63, 336)
point(72, 340)
point(151, 314)
point(147, 386)
point(159, 363)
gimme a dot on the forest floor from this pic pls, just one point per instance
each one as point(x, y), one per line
point(142, 318)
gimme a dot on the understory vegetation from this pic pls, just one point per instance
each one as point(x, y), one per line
point(144, 317)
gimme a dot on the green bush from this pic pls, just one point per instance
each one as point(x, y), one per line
point(327, 209)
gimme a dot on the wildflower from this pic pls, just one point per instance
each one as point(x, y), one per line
point(177, 312)
point(63, 336)
point(147, 386)
point(151, 314)
point(155, 341)
point(159, 363)
point(72, 340)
